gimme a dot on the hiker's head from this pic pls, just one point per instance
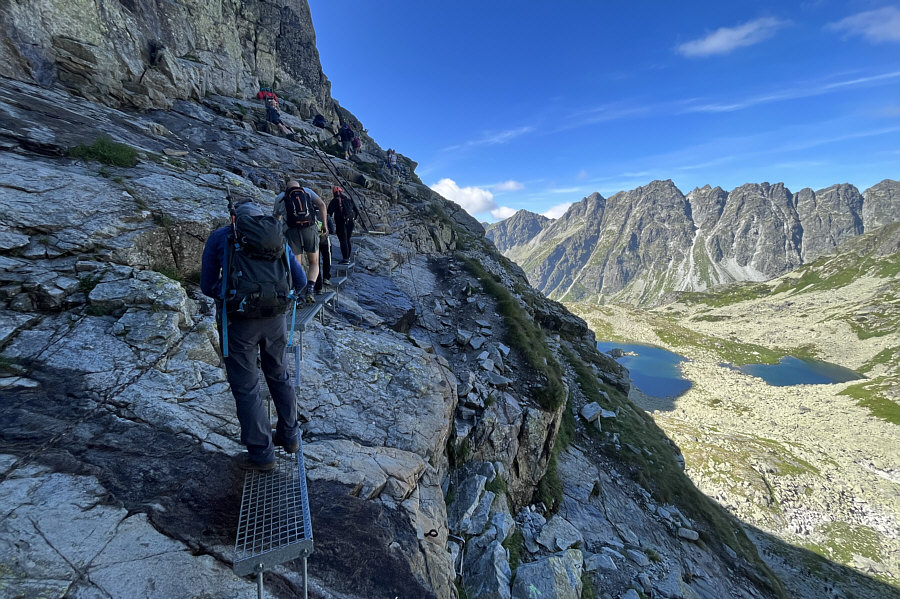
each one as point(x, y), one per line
point(292, 184)
point(248, 208)
point(336, 190)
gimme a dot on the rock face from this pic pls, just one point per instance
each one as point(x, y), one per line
point(640, 245)
point(146, 53)
point(519, 228)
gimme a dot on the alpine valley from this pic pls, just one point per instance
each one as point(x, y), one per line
point(746, 277)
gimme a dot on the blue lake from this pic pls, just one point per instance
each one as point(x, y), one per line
point(794, 371)
point(653, 370)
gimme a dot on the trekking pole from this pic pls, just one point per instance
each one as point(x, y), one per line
point(231, 212)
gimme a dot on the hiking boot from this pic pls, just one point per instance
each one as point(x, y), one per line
point(245, 463)
point(288, 446)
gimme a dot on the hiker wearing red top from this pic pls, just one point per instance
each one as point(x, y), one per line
point(343, 209)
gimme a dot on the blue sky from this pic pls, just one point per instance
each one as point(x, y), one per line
point(523, 104)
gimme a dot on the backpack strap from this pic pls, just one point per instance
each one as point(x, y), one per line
point(224, 310)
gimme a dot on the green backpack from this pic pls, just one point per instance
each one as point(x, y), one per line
point(258, 283)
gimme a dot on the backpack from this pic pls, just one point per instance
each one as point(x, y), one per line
point(258, 282)
point(319, 121)
point(298, 209)
point(356, 143)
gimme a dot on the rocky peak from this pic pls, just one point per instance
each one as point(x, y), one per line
point(518, 229)
point(880, 206)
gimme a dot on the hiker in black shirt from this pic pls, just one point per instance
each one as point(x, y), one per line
point(343, 209)
point(346, 134)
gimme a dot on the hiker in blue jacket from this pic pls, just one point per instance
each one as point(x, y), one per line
point(245, 338)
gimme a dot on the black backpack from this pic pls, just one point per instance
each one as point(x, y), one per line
point(259, 274)
point(298, 208)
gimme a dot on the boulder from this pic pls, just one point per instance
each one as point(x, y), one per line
point(557, 576)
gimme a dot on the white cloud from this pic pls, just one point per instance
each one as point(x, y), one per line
point(726, 39)
point(806, 91)
point(881, 25)
point(473, 200)
point(557, 210)
point(503, 212)
point(508, 186)
point(562, 190)
point(492, 138)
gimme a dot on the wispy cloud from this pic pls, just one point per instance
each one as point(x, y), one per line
point(562, 190)
point(881, 25)
point(492, 138)
point(507, 186)
point(502, 212)
point(557, 211)
point(797, 93)
point(727, 39)
point(474, 200)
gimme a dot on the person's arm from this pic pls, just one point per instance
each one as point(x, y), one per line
point(332, 206)
point(211, 263)
point(322, 209)
point(298, 275)
point(278, 211)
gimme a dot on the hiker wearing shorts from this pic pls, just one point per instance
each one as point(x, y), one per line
point(297, 207)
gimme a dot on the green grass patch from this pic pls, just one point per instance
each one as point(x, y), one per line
point(172, 273)
point(726, 296)
point(729, 351)
point(872, 395)
point(523, 334)
point(587, 588)
point(844, 540)
point(887, 357)
point(87, 283)
point(550, 487)
point(515, 544)
point(107, 151)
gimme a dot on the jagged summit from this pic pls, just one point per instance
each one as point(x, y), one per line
point(639, 245)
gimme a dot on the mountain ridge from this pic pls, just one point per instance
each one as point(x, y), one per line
point(638, 246)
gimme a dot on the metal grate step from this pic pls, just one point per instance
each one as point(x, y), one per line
point(274, 525)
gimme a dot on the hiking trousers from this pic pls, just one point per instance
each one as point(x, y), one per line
point(267, 339)
point(324, 261)
point(344, 233)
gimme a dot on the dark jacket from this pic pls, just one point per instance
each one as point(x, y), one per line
point(346, 133)
point(211, 264)
point(342, 208)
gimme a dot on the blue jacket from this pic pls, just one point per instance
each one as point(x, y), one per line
point(211, 266)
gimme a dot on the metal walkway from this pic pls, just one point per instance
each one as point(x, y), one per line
point(274, 525)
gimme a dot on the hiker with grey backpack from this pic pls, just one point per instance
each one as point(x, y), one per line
point(296, 208)
point(254, 277)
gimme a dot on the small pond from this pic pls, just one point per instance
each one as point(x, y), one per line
point(653, 370)
point(794, 371)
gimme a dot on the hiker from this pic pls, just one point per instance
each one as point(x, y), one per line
point(357, 144)
point(296, 207)
point(392, 161)
point(324, 254)
point(346, 135)
point(249, 270)
point(344, 210)
point(273, 115)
